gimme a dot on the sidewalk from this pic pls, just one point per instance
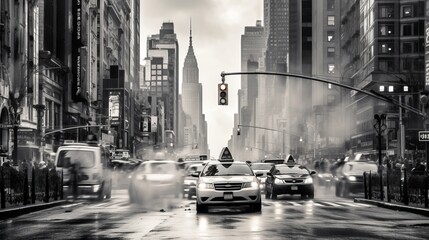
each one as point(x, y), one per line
point(21, 210)
point(393, 206)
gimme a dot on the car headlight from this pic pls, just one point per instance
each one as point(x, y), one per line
point(308, 180)
point(203, 185)
point(278, 181)
point(253, 184)
point(95, 188)
point(140, 177)
point(352, 178)
point(189, 182)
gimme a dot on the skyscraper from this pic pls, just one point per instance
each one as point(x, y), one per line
point(162, 71)
point(192, 98)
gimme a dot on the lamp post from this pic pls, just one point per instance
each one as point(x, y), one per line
point(40, 108)
point(380, 126)
point(16, 112)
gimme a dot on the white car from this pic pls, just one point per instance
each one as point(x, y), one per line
point(227, 183)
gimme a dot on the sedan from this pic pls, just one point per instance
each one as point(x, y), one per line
point(349, 177)
point(263, 168)
point(190, 182)
point(227, 183)
point(289, 179)
point(154, 178)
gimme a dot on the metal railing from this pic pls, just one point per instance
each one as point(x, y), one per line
point(29, 186)
point(400, 186)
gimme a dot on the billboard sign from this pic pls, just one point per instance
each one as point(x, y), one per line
point(153, 123)
point(427, 46)
point(78, 90)
point(114, 108)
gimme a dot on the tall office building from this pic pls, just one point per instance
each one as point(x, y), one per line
point(162, 70)
point(192, 101)
point(252, 49)
point(383, 45)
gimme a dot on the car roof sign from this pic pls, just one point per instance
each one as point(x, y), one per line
point(225, 155)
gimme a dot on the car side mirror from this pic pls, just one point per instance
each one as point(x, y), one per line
point(195, 174)
point(312, 172)
point(259, 174)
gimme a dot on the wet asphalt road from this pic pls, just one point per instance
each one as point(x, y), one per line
point(325, 217)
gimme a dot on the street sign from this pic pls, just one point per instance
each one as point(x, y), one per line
point(423, 136)
point(6, 126)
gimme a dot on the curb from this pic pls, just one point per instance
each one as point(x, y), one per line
point(15, 212)
point(398, 207)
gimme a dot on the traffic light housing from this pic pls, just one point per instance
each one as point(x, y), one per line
point(223, 94)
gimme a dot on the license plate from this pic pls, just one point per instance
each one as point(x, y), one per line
point(228, 196)
point(294, 188)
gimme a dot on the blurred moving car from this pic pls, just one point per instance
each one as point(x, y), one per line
point(263, 168)
point(349, 177)
point(227, 182)
point(190, 182)
point(274, 161)
point(88, 166)
point(289, 179)
point(154, 178)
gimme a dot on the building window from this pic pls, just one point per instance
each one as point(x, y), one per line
point(406, 64)
point(331, 68)
point(386, 11)
point(331, 20)
point(407, 47)
point(331, 4)
point(385, 65)
point(407, 30)
point(331, 35)
point(331, 52)
point(57, 116)
point(386, 47)
point(407, 11)
point(386, 30)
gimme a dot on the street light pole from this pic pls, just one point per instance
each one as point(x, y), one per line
point(380, 126)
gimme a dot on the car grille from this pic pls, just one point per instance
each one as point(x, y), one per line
point(228, 186)
point(293, 180)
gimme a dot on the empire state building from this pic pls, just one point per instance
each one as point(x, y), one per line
point(195, 125)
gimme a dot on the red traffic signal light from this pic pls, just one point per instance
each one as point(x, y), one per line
point(223, 93)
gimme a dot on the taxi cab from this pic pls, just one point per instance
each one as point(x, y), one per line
point(226, 183)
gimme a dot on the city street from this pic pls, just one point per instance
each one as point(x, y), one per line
point(169, 218)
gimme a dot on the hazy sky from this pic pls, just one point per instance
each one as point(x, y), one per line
point(217, 26)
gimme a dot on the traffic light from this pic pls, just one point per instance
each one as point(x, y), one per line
point(223, 93)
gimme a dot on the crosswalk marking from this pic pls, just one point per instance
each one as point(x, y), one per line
point(278, 203)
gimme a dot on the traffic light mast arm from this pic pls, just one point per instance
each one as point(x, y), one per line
point(270, 129)
point(75, 127)
point(369, 93)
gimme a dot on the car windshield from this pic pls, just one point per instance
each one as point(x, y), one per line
point(195, 168)
point(261, 166)
point(296, 169)
point(351, 168)
point(82, 158)
point(227, 169)
point(158, 168)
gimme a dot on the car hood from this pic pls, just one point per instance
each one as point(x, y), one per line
point(190, 178)
point(287, 176)
point(228, 179)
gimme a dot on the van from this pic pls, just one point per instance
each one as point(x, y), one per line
point(92, 162)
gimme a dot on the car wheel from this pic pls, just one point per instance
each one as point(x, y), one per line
point(101, 193)
point(189, 196)
point(201, 208)
point(337, 190)
point(256, 207)
point(345, 190)
point(109, 192)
